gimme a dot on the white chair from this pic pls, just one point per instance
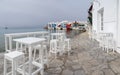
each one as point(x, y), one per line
point(62, 43)
point(14, 57)
point(67, 45)
point(54, 47)
point(58, 45)
point(47, 37)
point(103, 43)
point(21, 47)
point(40, 58)
point(111, 43)
point(107, 42)
point(45, 53)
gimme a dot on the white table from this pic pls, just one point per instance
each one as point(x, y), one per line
point(30, 41)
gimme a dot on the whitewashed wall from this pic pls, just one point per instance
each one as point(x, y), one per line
point(118, 40)
point(110, 10)
point(94, 16)
point(111, 17)
point(109, 24)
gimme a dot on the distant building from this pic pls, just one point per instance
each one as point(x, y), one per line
point(52, 25)
point(66, 25)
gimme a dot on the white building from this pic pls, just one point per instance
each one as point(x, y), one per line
point(106, 18)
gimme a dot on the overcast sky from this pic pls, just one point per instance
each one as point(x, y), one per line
point(15, 13)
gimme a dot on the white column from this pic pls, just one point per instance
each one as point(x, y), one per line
point(117, 26)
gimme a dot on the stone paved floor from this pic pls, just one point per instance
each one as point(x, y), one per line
point(86, 58)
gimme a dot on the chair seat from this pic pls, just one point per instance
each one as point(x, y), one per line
point(13, 55)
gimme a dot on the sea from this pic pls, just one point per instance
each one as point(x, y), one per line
point(3, 31)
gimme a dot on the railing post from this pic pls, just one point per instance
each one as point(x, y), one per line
point(6, 43)
point(10, 43)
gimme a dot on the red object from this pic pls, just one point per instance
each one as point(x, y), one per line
point(59, 25)
point(68, 26)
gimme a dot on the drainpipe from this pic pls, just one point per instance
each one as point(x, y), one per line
point(117, 25)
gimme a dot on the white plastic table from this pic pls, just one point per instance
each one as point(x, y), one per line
point(30, 42)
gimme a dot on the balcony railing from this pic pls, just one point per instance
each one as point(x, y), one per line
point(9, 38)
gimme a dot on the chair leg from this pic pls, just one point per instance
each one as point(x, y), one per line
point(13, 68)
point(42, 72)
point(5, 66)
point(34, 54)
point(107, 50)
point(16, 66)
point(23, 67)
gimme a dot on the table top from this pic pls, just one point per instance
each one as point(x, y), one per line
point(29, 40)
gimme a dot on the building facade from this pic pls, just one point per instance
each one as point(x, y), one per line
point(106, 18)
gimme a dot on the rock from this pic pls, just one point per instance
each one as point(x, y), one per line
point(118, 74)
point(115, 66)
point(55, 63)
point(102, 66)
point(79, 72)
point(84, 56)
point(94, 62)
point(108, 72)
point(54, 70)
point(76, 67)
point(98, 72)
point(67, 72)
point(87, 68)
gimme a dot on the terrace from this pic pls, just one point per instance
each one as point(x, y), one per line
point(86, 58)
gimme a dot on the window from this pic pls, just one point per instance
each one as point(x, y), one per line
point(101, 19)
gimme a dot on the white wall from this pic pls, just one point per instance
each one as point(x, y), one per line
point(111, 19)
point(109, 8)
point(110, 16)
point(119, 24)
point(94, 16)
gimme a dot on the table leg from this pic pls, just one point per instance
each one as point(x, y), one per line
point(42, 62)
point(30, 60)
